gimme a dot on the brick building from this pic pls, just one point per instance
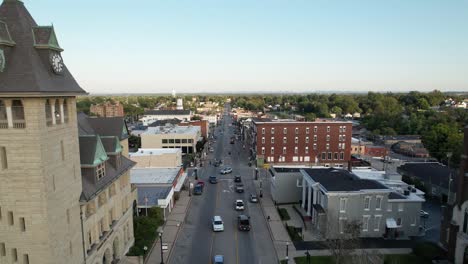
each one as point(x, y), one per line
point(203, 124)
point(294, 142)
point(107, 109)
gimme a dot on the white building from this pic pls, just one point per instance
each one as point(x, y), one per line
point(153, 115)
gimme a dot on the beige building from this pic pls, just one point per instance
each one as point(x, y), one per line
point(171, 136)
point(157, 158)
point(49, 212)
point(107, 197)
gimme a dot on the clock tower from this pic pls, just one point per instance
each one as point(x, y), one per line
point(40, 178)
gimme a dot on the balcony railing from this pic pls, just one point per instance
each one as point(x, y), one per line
point(3, 124)
point(19, 123)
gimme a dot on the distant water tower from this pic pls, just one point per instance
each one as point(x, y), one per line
point(180, 105)
point(173, 93)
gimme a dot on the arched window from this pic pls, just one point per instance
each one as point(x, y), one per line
point(3, 115)
point(65, 110)
point(48, 113)
point(58, 119)
point(17, 112)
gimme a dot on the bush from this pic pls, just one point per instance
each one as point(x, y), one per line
point(145, 230)
point(293, 234)
point(284, 214)
point(427, 251)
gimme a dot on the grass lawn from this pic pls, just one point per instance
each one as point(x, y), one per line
point(314, 260)
point(404, 258)
point(284, 214)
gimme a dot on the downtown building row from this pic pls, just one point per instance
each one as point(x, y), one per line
point(65, 192)
point(284, 141)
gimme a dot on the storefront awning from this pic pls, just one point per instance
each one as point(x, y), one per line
point(391, 223)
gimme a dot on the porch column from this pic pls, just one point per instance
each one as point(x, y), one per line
point(309, 208)
point(9, 112)
point(304, 182)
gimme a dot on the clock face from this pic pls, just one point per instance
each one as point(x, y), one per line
point(56, 62)
point(2, 60)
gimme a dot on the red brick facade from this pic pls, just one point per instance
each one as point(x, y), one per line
point(203, 124)
point(376, 151)
point(107, 110)
point(302, 142)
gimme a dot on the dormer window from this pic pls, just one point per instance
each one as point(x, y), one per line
point(101, 170)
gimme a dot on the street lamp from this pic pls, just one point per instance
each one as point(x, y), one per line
point(162, 254)
point(287, 252)
point(308, 256)
point(145, 248)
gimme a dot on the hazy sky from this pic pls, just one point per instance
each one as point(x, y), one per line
point(264, 45)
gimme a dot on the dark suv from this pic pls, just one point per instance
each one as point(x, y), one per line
point(237, 178)
point(243, 222)
point(239, 188)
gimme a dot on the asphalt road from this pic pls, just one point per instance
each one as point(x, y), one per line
point(197, 243)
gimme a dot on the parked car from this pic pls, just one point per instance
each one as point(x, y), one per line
point(213, 179)
point(253, 198)
point(198, 189)
point(218, 259)
point(239, 204)
point(200, 182)
point(218, 224)
point(226, 170)
point(211, 149)
point(240, 188)
point(423, 214)
point(243, 222)
point(237, 178)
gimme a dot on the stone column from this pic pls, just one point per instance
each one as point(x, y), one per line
point(62, 112)
point(304, 182)
point(52, 111)
point(9, 112)
point(309, 209)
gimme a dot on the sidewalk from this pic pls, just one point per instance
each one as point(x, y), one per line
point(171, 228)
point(276, 227)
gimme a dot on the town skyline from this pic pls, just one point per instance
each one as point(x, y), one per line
point(214, 47)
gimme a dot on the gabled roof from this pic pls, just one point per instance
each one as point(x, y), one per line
point(27, 68)
point(109, 126)
point(92, 151)
point(111, 144)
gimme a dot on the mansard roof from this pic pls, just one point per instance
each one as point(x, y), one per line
point(26, 48)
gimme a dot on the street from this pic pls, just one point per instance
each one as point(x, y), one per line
point(196, 242)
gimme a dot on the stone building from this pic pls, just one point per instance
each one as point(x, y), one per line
point(45, 215)
point(107, 109)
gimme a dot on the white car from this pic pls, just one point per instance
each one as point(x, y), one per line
point(218, 224)
point(239, 205)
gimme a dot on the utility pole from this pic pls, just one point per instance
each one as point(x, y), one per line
point(449, 155)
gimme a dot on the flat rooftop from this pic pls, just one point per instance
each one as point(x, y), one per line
point(154, 152)
point(153, 175)
point(338, 180)
point(269, 120)
point(161, 130)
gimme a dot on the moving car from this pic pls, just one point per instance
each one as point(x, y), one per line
point(198, 189)
point(218, 224)
point(253, 198)
point(211, 149)
point(226, 170)
point(218, 259)
point(240, 188)
point(213, 179)
point(243, 223)
point(239, 204)
point(237, 178)
point(200, 182)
